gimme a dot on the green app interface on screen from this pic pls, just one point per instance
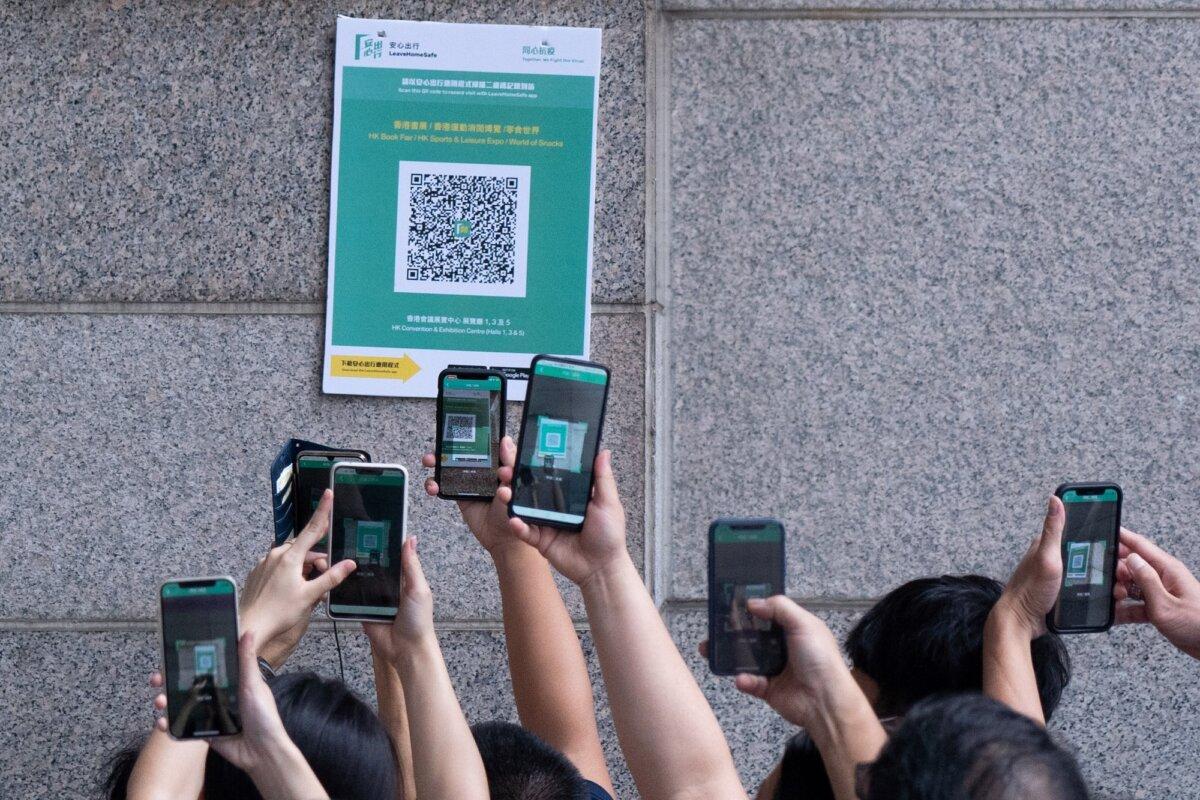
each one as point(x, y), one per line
point(1088, 549)
point(199, 625)
point(747, 563)
point(559, 440)
point(368, 527)
point(469, 450)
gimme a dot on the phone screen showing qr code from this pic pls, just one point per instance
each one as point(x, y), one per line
point(462, 229)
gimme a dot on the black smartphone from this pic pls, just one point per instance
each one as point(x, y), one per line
point(745, 560)
point(198, 620)
point(370, 515)
point(1089, 552)
point(310, 479)
point(560, 436)
point(470, 425)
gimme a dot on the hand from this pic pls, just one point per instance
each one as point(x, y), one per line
point(815, 673)
point(1033, 588)
point(1170, 594)
point(278, 599)
point(600, 544)
point(414, 614)
point(263, 735)
point(487, 519)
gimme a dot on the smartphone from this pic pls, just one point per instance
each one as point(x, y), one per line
point(370, 518)
point(1089, 551)
point(310, 479)
point(560, 436)
point(470, 425)
point(745, 560)
point(198, 621)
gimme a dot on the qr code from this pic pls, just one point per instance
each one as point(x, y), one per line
point(462, 229)
point(460, 428)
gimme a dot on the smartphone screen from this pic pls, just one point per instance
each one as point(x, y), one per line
point(469, 427)
point(745, 560)
point(1089, 558)
point(200, 669)
point(368, 526)
point(560, 435)
point(311, 481)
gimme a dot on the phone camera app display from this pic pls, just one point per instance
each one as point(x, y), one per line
point(199, 622)
point(469, 446)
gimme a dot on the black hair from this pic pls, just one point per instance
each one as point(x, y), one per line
point(520, 766)
point(970, 747)
point(926, 637)
point(340, 736)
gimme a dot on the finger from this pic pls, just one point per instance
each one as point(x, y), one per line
point(429, 460)
point(504, 475)
point(160, 701)
point(1124, 575)
point(431, 487)
point(161, 724)
point(1160, 559)
point(1148, 581)
point(318, 526)
point(703, 648)
point(319, 586)
point(313, 558)
point(526, 534)
point(410, 567)
point(605, 492)
point(1123, 550)
point(503, 494)
point(156, 679)
point(780, 610)
point(1129, 612)
point(508, 452)
point(1120, 592)
point(1052, 526)
point(753, 685)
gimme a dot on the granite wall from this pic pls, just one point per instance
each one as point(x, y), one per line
point(887, 271)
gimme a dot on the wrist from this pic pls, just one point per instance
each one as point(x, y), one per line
point(279, 768)
point(513, 554)
point(1008, 620)
point(841, 718)
point(610, 574)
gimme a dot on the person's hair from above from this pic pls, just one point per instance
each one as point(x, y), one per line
point(520, 766)
point(925, 637)
point(340, 736)
point(970, 747)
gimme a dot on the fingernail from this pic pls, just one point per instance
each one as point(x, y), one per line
point(754, 601)
point(1050, 507)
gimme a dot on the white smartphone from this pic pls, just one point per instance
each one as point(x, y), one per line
point(198, 625)
point(369, 525)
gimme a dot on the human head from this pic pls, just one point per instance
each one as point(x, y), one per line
point(970, 747)
point(926, 637)
point(339, 735)
point(520, 766)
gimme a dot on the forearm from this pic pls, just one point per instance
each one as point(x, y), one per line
point(1008, 674)
point(671, 740)
point(446, 762)
point(284, 774)
point(389, 693)
point(847, 733)
point(167, 769)
point(551, 686)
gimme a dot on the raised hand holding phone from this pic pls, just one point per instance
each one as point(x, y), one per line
point(470, 427)
point(487, 518)
point(745, 561)
point(601, 542)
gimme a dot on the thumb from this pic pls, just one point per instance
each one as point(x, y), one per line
point(1052, 527)
point(779, 609)
point(410, 568)
point(605, 486)
point(1147, 578)
point(330, 578)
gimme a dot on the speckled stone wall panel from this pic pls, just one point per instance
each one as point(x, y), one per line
point(139, 447)
point(922, 271)
point(171, 150)
point(56, 742)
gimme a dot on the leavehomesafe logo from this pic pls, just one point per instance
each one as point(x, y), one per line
point(368, 46)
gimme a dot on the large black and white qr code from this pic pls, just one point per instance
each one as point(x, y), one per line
point(462, 229)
